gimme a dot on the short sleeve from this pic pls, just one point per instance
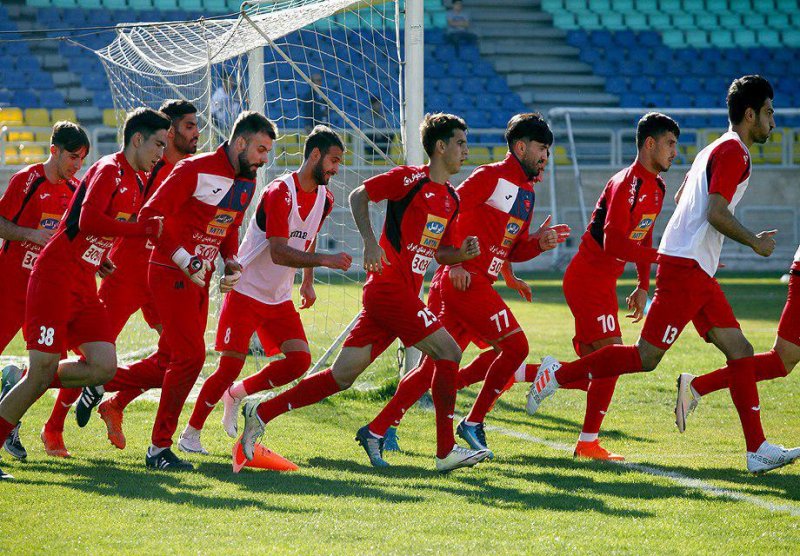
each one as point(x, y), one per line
point(277, 203)
point(14, 196)
point(727, 167)
point(392, 185)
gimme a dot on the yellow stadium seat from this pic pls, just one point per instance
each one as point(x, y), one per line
point(499, 152)
point(10, 116)
point(31, 155)
point(12, 156)
point(113, 117)
point(38, 117)
point(479, 155)
point(560, 155)
point(43, 136)
point(61, 114)
point(19, 136)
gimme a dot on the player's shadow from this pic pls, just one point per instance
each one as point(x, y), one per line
point(102, 477)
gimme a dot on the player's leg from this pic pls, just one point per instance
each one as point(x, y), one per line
point(42, 372)
point(12, 309)
point(52, 434)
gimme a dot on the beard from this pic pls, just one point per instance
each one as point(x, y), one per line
point(245, 169)
point(318, 173)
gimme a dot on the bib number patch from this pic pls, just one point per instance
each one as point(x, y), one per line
point(495, 266)
point(420, 264)
point(93, 255)
point(29, 259)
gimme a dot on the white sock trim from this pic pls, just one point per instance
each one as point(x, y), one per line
point(587, 436)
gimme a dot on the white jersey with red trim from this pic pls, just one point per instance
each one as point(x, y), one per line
point(262, 279)
point(688, 233)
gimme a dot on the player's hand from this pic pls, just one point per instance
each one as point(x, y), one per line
point(765, 243)
point(550, 236)
point(637, 301)
point(521, 287)
point(460, 277)
point(470, 248)
point(39, 237)
point(337, 261)
point(374, 258)
point(106, 268)
point(153, 227)
point(231, 276)
point(307, 295)
point(196, 270)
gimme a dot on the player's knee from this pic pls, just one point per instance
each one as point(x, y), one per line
point(516, 346)
point(447, 349)
point(344, 378)
point(300, 361)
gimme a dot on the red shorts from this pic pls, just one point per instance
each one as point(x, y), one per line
point(12, 302)
point(242, 316)
point(125, 292)
point(460, 333)
point(391, 312)
point(789, 326)
point(684, 293)
point(479, 311)
point(592, 299)
point(63, 314)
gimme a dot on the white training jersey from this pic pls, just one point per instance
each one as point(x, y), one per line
point(262, 279)
point(688, 233)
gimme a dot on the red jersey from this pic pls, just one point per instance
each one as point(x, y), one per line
point(203, 203)
point(131, 254)
point(621, 228)
point(496, 206)
point(31, 201)
point(418, 220)
point(272, 214)
point(110, 194)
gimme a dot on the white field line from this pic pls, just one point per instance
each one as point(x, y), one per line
point(676, 478)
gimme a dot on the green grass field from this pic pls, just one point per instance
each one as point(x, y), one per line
point(679, 494)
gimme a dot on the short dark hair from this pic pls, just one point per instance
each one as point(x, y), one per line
point(176, 109)
point(439, 126)
point(70, 137)
point(249, 123)
point(145, 121)
point(529, 126)
point(323, 138)
point(655, 124)
point(749, 91)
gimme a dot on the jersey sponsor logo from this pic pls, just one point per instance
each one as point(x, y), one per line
point(49, 221)
point(433, 231)
point(300, 234)
point(413, 178)
point(123, 216)
point(643, 227)
point(513, 228)
point(220, 223)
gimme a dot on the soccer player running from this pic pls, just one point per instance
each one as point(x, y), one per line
point(496, 205)
point(203, 202)
point(776, 363)
point(620, 231)
point(125, 290)
point(685, 286)
point(30, 210)
point(421, 205)
point(63, 310)
point(280, 238)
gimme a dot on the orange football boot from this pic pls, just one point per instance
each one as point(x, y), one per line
point(112, 417)
point(54, 444)
point(593, 450)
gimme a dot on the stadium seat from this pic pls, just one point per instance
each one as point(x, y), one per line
point(19, 136)
point(37, 117)
point(67, 114)
point(11, 116)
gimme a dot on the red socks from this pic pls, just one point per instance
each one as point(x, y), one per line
point(744, 393)
point(310, 390)
point(598, 398)
point(5, 428)
point(411, 388)
point(513, 351)
point(66, 397)
point(443, 391)
point(606, 362)
point(213, 388)
point(279, 372)
point(476, 371)
point(122, 398)
point(147, 373)
point(768, 366)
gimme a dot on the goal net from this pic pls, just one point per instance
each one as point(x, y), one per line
point(300, 62)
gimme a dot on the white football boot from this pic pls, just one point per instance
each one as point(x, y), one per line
point(687, 400)
point(230, 413)
point(769, 457)
point(460, 457)
point(544, 385)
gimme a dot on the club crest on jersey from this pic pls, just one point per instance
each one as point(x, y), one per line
point(221, 222)
point(643, 227)
point(513, 227)
point(433, 231)
point(49, 221)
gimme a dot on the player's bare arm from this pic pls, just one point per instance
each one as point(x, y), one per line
point(447, 254)
point(719, 216)
point(374, 255)
point(12, 232)
point(517, 284)
point(285, 255)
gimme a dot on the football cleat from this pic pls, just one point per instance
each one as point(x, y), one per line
point(544, 385)
point(54, 444)
point(13, 445)
point(189, 442)
point(460, 457)
point(593, 450)
point(89, 399)
point(112, 417)
point(253, 429)
point(230, 413)
point(167, 461)
point(373, 446)
point(474, 435)
point(686, 402)
point(390, 440)
point(769, 457)
point(5, 476)
point(9, 377)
